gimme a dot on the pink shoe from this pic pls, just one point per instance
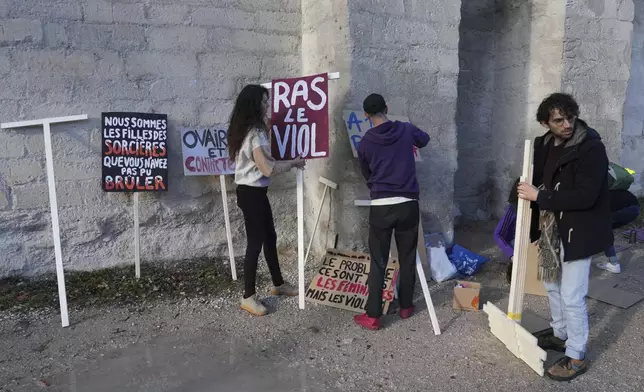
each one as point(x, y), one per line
point(406, 313)
point(367, 322)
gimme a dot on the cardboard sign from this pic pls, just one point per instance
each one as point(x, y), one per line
point(532, 283)
point(300, 118)
point(358, 124)
point(341, 281)
point(205, 152)
point(135, 152)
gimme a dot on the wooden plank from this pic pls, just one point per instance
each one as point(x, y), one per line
point(522, 241)
point(299, 179)
point(52, 120)
point(515, 338)
point(229, 235)
point(55, 227)
point(137, 237)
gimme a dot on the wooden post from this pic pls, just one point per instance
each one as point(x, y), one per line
point(137, 237)
point(299, 176)
point(229, 236)
point(327, 184)
point(521, 242)
point(53, 202)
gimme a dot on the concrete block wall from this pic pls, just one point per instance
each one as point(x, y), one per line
point(581, 46)
point(510, 58)
point(187, 59)
point(597, 57)
point(633, 130)
point(408, 52)
point(474, 180)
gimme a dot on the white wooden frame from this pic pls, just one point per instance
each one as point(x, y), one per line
point(299, 180)
point(507, 327)
point(53, 202)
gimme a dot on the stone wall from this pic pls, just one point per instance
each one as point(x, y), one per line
point(407, 50)
point(474, 180)
point(581, 46)
point(597, 55)
point(510, 56)
point(187, 59)
point(633, 131)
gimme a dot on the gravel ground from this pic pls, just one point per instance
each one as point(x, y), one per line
point(207, 344)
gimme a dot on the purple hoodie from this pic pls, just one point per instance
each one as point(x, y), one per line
point(387, 159)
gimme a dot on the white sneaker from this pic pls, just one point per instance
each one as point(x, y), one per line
point(253, 306)
point(614, 268)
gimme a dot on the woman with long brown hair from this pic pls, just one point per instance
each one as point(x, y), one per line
point(250, 148)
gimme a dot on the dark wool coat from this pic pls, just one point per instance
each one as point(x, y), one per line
point(580, 198)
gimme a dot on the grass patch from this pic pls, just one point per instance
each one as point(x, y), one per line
point(116, 286)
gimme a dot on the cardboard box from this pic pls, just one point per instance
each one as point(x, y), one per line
point(467, 295)
point(532, 283)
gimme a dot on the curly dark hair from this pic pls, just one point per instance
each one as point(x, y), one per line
point(246, 115)
point(564, 103)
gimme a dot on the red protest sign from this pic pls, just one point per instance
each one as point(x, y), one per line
point(300, 118)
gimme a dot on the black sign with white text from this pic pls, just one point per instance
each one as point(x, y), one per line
point(135, 152)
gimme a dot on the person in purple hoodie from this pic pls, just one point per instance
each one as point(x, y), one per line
point(387, 162)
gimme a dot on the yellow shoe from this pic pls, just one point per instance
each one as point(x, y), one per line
point(284, 289)
point(253, 306)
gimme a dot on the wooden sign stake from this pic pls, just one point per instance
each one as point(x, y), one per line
point(327, 184)
point(299, 176)
point(299, 179)
point(229, 235)
point(507, 327)
point(53, 203)
point(137, 237)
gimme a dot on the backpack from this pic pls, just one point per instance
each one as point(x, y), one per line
point(619, 178)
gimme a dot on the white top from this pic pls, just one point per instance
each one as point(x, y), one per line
point(388, 201)
point(246, 170)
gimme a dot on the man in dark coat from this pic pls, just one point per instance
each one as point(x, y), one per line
point(571, 219)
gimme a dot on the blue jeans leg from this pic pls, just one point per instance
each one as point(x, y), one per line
point(568, 306)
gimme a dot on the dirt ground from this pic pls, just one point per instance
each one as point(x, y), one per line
point(205, 343)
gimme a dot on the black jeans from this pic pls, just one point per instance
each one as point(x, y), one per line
point(260, 232)
point(619, 219)
point(402, 220)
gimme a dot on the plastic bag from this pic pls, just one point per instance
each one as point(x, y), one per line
point(467, 263)
point(619, 178)
point(442, 268)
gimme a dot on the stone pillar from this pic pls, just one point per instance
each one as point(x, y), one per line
point(326, 47)
point(633, 131)
point(528, 66)
point(406, 50)
point(597, 56)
